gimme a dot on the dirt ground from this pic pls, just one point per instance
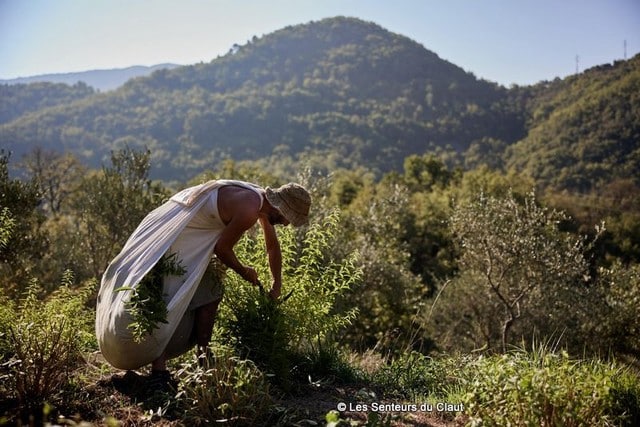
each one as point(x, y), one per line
point(106, 397)
point(121, 399)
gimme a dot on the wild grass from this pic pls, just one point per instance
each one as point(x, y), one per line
point(542, 387)
point(538, 387)
point(223, 389)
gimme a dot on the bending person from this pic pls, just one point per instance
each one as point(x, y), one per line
point(194, 224)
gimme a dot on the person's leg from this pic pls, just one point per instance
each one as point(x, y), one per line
point(160, 364)
point(205, 318)
point(181, 341)
point(160, 379)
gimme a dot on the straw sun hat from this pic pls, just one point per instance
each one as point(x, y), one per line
point(292, 200)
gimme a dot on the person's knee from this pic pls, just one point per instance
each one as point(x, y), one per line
point(207, 312)
point(211, 308)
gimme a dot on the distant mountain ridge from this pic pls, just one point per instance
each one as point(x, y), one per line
point(102, 80)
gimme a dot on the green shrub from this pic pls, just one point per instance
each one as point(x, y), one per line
point(260, 333)
point(223, 389)
point(325, 362)
point(7, 223)
point(411, 375)
point(23, 239)
point(41, 343)
point(545, 388)
point(271, 333)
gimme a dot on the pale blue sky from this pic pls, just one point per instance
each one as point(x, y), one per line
point(505, 41)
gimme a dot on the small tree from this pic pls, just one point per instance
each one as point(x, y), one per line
point(56, 175)
point(516, 266)
point(26, 242)
point(112, 203)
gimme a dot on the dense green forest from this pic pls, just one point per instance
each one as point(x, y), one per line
point(20, 100)
point(451, 216)
point(339, 88)
point(341, 93)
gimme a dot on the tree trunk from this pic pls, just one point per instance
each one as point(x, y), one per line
point(506, 327)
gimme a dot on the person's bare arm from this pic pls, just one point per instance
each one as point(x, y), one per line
point(274, 255)
point(243, 217)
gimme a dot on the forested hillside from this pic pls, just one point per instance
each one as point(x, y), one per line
point(19, 100)
point(341, 93)
point(583, 131)
point(347, 91)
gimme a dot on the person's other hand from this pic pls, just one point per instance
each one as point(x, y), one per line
point(251, 276)
point(274, 293)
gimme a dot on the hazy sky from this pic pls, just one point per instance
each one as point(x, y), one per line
point(505, 41)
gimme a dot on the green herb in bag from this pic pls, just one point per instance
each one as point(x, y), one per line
point(147, 306)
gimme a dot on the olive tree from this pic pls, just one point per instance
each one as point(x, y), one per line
point(518, 271)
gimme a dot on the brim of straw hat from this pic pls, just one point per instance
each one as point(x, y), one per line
point(295, 218)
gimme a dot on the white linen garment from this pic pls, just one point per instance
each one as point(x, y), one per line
point(188, 225)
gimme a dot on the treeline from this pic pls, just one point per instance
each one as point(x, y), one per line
point(448, 259)
point(19, 100)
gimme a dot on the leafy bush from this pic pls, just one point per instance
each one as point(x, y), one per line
point(6, 225)
point(389, 294)
point(261, 333)
point(41, 343)
point(547, 388)
point(223, 389)
point(619, 326)
point(22, 238)
point(271, 333)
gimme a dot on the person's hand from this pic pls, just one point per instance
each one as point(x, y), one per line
point(274, 293)
point(251, 276)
